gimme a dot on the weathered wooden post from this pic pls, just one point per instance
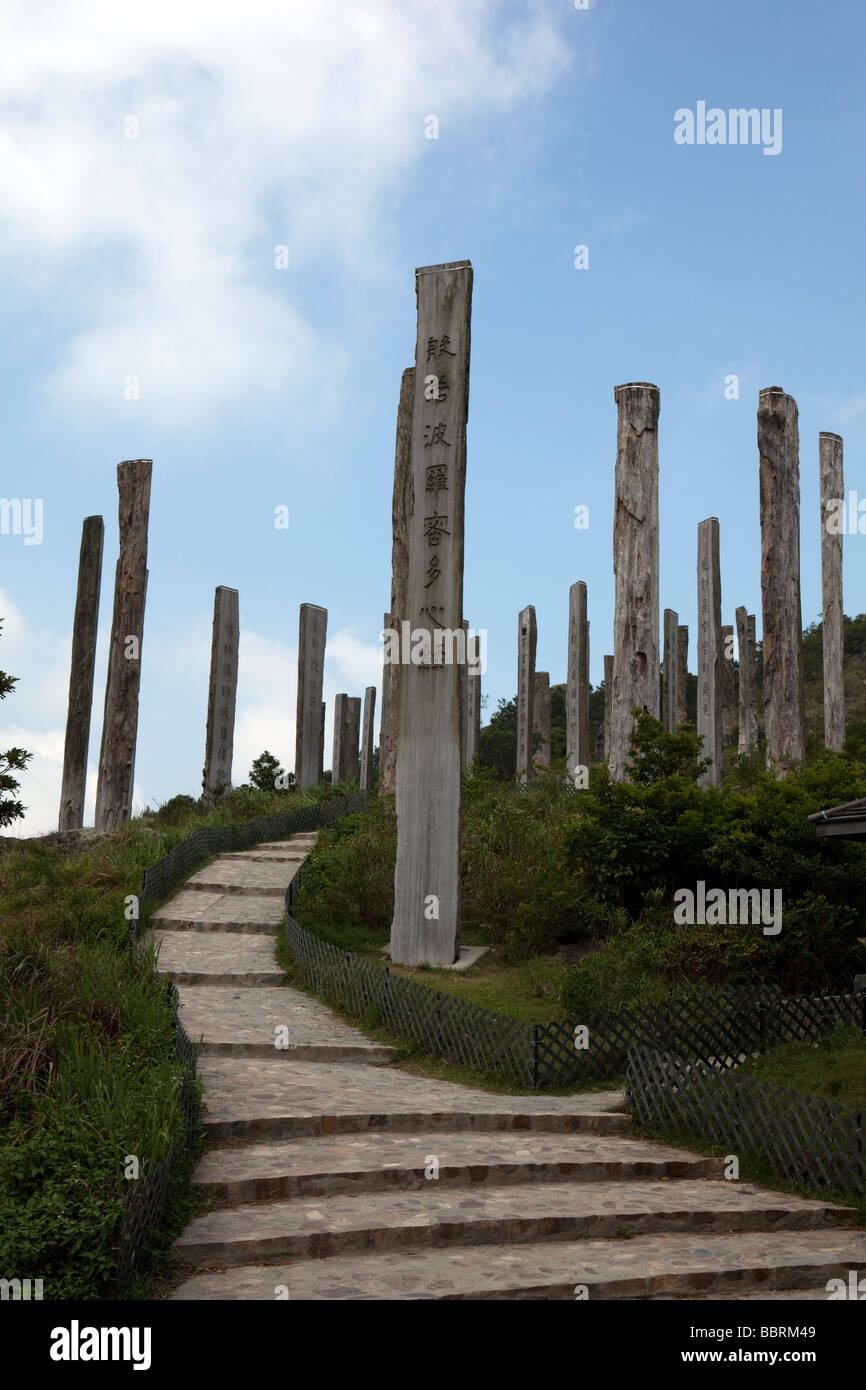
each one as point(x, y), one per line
point(84, 626)
point(222, 694)
point(353, 721)
point(541, 720)
point(463, 677)
point(682, 674)
point(709, 651)
point(779, 449)
point(312, 635)
point(636, 566)
point(345, 766)
point(402, 504)
point(427, 873)
point(608, 697)
point(384, 715)
point(755, 682)
point(744, 651)
point(728, 683)
point(751, 628)
point(338, 741)
point(832, 494)
point(527, 638)
point(322, 743)
point(367, 738)
point(120, 718)
point(671, 670)
point(473, 722)
point(577, 681)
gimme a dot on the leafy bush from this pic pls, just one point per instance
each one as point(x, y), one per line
point(347, 894)
point(176, 810)
point(518, 889)
point(13, 760)
point(61, 1203)
point(268, 775)
point(552, 865)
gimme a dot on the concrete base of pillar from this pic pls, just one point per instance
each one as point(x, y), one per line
point(469, 955)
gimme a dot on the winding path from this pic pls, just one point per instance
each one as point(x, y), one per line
point(335, 1175)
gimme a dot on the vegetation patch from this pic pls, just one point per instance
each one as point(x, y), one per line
point(551, 869)
point(833, 1068)
point(88, 1077)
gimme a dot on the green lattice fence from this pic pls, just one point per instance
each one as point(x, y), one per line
point(723, 1026)
point(444, 1025)
point(145, 1199)
point(801, 1138)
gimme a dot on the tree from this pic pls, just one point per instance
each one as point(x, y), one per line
point(13, 760)
point(655, 755)
point(497, 747)
point(265, 771)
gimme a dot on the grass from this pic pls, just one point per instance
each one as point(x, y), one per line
point(527, 990)
point(87, 1068)
point(834, 1068)
point(752, 1168)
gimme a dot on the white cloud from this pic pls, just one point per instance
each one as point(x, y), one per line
point(359, 663)
point(267, 665)
point(39, 789)
point(258, 125)
point(39, 657)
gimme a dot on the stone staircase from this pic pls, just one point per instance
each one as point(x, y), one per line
point(334, 1175)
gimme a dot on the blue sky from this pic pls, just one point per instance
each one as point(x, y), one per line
point(304, 126)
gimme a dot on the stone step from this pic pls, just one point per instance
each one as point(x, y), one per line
point(215, 958)
point(743, 1265)
point(248, 877)
point(761, 1295)
point(371, 1054)
point(268, 856)
point(305, 839)
point(244, 1022)
point(253, 1098)
point(310, 1121)
point(219, 912)
point(351, 1164)
point(319, 1227)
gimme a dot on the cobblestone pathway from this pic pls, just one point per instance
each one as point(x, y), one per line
point(322, 1155)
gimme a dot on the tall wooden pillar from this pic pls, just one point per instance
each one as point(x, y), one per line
point(636, 567)
point(120, 719)
point(779, 452)
point(84, 625)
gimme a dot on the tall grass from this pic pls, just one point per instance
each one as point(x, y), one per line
point(87, 1069)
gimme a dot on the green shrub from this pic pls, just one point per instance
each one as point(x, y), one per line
point(61, 1199)
point(177, 810)
point(347, 894)
point(550, 865)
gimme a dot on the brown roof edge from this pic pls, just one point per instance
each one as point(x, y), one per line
point(849, 810)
